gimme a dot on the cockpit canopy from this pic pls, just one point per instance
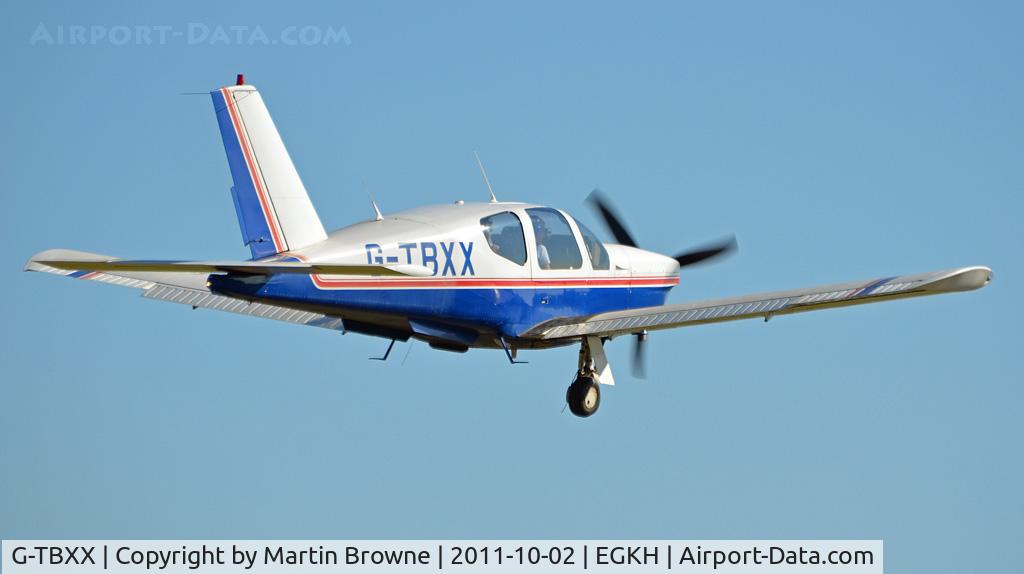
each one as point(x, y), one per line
point(556, 246)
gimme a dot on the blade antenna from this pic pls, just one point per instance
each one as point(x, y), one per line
point(373, 203)
point(483, 172)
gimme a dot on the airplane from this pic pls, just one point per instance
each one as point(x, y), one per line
point(491, 275)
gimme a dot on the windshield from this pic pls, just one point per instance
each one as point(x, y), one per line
point(598, 254)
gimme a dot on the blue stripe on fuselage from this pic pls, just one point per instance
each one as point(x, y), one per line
point(509, 311)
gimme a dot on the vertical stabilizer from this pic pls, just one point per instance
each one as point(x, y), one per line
point(274, 211)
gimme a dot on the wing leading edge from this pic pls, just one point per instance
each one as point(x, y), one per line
point(764, 305)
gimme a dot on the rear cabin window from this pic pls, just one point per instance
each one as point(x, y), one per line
point(556, 245)
point(504, 235)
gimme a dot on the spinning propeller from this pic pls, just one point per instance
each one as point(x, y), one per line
point(686, 258)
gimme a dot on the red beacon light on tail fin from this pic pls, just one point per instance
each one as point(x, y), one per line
point(240, 80)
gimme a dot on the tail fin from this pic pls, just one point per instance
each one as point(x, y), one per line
point(273, 208)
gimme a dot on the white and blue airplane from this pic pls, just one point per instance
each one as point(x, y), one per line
point(498, 275)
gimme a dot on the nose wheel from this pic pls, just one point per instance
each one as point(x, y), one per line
point(583, 396)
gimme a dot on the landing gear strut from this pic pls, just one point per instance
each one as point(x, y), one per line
point(584, 394)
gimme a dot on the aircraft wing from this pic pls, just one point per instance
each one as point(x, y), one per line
point(184, 287)
point(69, 260)
point(764, 305)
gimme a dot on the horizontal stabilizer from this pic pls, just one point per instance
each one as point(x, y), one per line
point(191, 290)
point(79, 261)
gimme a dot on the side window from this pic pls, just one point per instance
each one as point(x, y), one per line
point(598, 254)
point(504, 235)
point(556, 245)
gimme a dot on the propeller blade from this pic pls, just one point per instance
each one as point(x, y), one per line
point(611, 219)
point(708, 252)
point(639, 355)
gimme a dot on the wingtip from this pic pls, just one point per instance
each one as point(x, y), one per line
point(989, 274)
point(980, 275)
point(38, 262)
point(964, 279)
point(35, 263)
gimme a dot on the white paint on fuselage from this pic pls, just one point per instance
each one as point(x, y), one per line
point(458, 227)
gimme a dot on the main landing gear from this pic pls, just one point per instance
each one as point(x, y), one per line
point(584, 394)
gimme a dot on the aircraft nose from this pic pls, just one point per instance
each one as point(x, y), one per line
point(650, 263)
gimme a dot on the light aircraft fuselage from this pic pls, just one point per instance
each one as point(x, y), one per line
point(468, 280)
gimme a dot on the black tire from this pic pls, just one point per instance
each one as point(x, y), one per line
point(583, 397)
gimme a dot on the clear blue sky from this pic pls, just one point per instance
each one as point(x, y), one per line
point(839, 141)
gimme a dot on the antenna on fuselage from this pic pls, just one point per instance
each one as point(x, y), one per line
point(376, 210)
point(483, 172)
